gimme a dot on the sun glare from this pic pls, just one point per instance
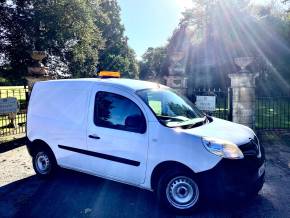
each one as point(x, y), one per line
point(185, 4)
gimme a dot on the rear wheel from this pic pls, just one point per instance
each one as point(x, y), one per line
point(179, 191)
point(44, 162)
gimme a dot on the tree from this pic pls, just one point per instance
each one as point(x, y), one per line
point(70, 32)
point(76, 34)
point(63, 28)
point(16, 26)
point(153, 64)
point(220, 31)
point(116, 55)
point(223, 30)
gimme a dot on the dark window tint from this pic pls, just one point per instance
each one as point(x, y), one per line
point(117, 112)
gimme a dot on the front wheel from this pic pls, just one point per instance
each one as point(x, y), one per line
point(179, 191)
point(44, 163)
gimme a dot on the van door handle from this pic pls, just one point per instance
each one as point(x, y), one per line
point(94, 137)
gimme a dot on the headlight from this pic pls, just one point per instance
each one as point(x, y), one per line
point(222, 148)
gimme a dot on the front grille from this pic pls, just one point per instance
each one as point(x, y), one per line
point(251, 148)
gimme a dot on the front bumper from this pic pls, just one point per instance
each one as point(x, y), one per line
point(234, 177)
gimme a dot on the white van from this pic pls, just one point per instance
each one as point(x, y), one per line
point(143, 134)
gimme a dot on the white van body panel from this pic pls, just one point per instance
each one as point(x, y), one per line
point(166, 144)
point(223, 129)
point(57, 115)
point(61, 113)
point(117, 143)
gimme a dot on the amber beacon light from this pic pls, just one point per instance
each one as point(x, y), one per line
point(109, 74)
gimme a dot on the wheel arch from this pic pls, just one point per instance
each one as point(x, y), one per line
point(32, 146)
point(163, 167)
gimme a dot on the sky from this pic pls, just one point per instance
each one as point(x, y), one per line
point(149, 23)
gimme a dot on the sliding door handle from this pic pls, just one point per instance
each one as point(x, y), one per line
point(94, 137)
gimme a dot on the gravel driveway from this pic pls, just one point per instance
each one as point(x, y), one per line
point(72, 194)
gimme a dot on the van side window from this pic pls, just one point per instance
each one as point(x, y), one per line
point(118, 112)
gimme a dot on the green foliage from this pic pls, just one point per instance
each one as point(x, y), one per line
point(67, 29)
point(15, 25)
point(77, 33)
point(154, 63)
point(116, 55)
point(3, 81)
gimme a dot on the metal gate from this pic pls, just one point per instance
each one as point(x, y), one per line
point(223, 103)
point(14, 125)
point(272, 112)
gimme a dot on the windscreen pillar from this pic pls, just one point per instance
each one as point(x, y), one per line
point(243, 97)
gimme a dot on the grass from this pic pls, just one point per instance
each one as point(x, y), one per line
point(20, 119)
point(18, 92)
point(6, 131)
point(11, 87)
point(273, 113)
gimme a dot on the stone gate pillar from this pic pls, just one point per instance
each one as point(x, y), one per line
point(243, 93)
point(176, 78)
point(243, 97)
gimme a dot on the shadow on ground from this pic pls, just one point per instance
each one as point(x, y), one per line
point(72, 194)
point(7, 146)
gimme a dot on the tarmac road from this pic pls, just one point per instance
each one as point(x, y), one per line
point(72, 194)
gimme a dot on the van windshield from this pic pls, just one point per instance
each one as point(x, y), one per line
point(172, 109)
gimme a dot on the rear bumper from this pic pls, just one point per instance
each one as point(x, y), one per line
point(234, 177)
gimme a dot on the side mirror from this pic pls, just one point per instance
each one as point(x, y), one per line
point(209, 117)
point(208, 113)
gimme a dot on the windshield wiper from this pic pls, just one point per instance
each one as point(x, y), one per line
point(172, 119)
point(180, 121)
point(187, 124)
point(192, 122)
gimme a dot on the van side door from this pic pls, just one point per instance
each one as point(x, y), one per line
point(117, 135)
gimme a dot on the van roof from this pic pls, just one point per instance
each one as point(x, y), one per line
point(131, 84)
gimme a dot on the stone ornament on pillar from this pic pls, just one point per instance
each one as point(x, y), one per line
point(243, 93)
point(176, 78)
point(243, 62)
point(37, 71)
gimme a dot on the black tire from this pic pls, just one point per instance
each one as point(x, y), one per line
point(258, 187)
point(44, 162)
point(179, 184)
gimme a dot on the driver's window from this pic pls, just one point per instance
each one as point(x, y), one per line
point(118, 112)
